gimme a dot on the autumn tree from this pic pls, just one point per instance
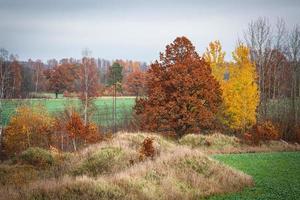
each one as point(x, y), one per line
point(134, 83)
point(74, 128)
point(182, 94)
point(240, 92)
point(29, 127)
point(214, 55)
point(16, 78)
point(62, 77)
point(71, 124)
point(238, 83)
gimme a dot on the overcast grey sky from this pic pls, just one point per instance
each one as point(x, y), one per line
point(132, 29)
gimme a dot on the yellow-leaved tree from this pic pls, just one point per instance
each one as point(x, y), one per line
point(28, 127)
point(215, 56)
point(238, 83)
point(242, 94)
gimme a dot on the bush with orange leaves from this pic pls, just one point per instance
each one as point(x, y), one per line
point(75, 129)
point(29, 127)
point(147, 149)
point(262, 132)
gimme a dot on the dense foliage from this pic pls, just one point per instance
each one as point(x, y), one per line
point(238, 82)
point(182, 94)
point(29, 127)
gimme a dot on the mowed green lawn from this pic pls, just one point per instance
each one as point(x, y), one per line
point(102, 114)
point(276, 175)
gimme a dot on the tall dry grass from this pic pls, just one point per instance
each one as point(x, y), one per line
point(112, 170)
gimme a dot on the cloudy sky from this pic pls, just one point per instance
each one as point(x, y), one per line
point(128, 29)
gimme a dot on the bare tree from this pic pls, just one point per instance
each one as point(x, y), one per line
point(38, 70)
point(85, 54)
point(4, 74)
point(89, 79)
point(258, 38)
point(294, 57)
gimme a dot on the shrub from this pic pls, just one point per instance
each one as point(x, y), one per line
point(37, 157)
point(72, 126)
point(262, 132)
point(147, 149)
point(104, 161)
point(29, 127)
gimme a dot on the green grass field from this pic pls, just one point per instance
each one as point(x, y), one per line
point(102, 115)
point(276, 175)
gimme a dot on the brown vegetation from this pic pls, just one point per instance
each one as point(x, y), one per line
point(182, 94)
point(183, 172)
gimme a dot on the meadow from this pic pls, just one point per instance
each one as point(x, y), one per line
point(101, 113)
point(276, 175)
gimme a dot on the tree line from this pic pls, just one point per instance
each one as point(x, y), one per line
point(25, 79)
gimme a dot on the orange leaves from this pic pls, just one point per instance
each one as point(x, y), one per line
point(29, 127)
point(63, 76)
point(183, 95)
point(75, 125)
point(264, 131)
point(147, 149)
point(77, 131)
point(134, 83)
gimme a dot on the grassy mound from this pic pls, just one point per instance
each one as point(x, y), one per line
point(103, 161)
point(212, 141)
point(37, 157)
point(182, 174)
point(113, 170)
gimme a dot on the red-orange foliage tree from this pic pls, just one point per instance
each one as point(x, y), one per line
point(62, 77)
point(134, 83)
point(73, 125)
point(16, 78)
point(183, 96)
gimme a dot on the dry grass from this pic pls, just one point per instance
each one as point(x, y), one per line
point(112, 170)
point(211, 141)
point(218, 143)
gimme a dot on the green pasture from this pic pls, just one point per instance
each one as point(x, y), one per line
point(276, 175)
point(102, 110)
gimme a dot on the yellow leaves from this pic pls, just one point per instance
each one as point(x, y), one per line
point(240, 92)
point(28, 127)
point(241, 55)
point(214, 55)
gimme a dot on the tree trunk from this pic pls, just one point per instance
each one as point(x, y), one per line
point(74, 144)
